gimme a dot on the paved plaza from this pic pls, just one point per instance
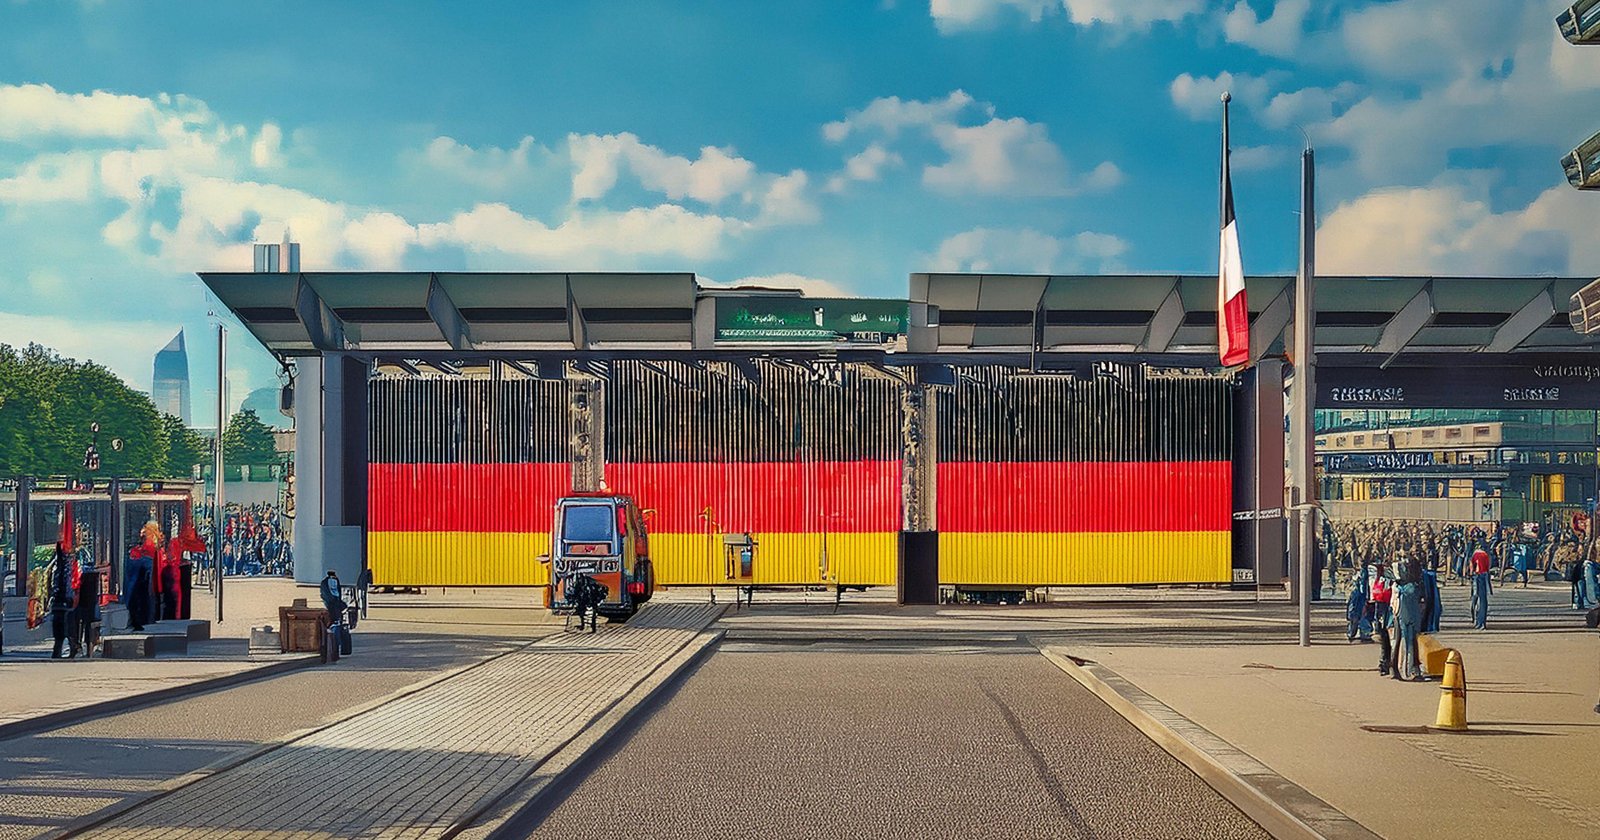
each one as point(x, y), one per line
point(867, 740)
point(427, 762)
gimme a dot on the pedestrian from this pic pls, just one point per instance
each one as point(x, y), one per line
point(1591, 571)
point(1381, 591)
point(1574, 577)
point(1519, 563)
point(137, 582)
point(88, 623)
point(333, 598)
point(63, 602)
point(1432, 604)
point(1407, 618)
point(1480, 589)
point(1355, 609)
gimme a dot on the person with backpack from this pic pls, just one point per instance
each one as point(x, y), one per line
point(1355, 609)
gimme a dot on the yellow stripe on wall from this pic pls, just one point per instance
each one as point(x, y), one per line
point(1030, 559)
point(456, 558)
point(462, 558)
point(780, 559)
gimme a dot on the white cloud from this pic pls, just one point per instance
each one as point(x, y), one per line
point(1010, 157)
point(813, 286)
point(488, 168)
point(1307, 105)
point(53, 177)
point(663, 230)
point(1139, 14)
point(1028, 251)
point(598, 159)
point(1279, 34)
point(1251, 158)
point(784, 202)
point(35, 111)
point(267, 150)
point(1201, 96)
point(124, 347)
point(890, 115)
point(956, 15)
point(1450, 228)
point(868, 165)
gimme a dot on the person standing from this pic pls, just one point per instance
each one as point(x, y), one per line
point(1432, 604)
point(1355, 608)
point(63, 601)
point(1480, 589)
point(333, 598)
point(87, 626)
point(1380, 619)
point(137, 582)
point(1591, 570)
point(1407, 619)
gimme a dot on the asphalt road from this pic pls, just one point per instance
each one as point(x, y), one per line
point(54, 777)
point(845, 740)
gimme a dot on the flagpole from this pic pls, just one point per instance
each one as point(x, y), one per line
point(1222, 188)
point(1302, 450)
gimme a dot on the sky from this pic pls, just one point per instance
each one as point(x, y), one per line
point(833, 146)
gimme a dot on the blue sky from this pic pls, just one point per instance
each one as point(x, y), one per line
point(837, 146)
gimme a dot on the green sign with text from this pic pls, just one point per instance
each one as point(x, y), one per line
point(805, 320)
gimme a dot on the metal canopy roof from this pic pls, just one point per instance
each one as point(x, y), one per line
point(312, 312)
point(1378, 318)
point(1361, 321)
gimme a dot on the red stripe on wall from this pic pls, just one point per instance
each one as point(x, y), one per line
point(839, 497)
point(1085, 497)
point(489, 498)
point(784, 497)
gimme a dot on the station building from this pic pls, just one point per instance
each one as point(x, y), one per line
point(985, 431)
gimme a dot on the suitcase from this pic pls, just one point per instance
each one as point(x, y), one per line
point(344, 640)
point(330, 645)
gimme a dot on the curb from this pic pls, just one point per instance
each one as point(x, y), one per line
point(52, 720)
point(1282, 808)
point(517, 812)
point(111, 812)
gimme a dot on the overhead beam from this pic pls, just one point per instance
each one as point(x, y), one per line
point(322, 324)
point(1270, 323)
point(447, 317)
point(1527, 320)
point(1165, 323)
point(1404, 326)
point(575, 323)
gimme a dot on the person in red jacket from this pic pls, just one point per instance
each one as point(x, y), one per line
point(1480, 588)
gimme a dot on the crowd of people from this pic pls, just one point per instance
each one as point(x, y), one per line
point(1393, 570)
point(254, 541)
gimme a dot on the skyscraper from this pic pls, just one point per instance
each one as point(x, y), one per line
point(169, 384)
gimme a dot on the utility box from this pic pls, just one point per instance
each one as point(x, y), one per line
point(301, 628)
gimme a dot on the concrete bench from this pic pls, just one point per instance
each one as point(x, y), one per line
point(144, 645)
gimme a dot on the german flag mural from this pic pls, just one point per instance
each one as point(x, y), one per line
point(767, 472)
point(1055, 480)
point(463, 479)
point(804, 464)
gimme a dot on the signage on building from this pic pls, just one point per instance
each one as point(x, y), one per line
point(781, 319)
point(1528, 386)
point(1388, 461)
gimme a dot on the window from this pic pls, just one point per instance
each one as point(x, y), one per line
point(1452, 433)
point(1430, 434)
point(1360, 439)
point(588, 523)
point(1481, 431)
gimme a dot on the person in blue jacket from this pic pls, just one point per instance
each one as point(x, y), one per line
point(1357, 624)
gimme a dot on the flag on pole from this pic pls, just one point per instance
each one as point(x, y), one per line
point(1233, 314)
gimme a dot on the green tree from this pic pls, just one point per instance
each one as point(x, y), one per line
point(185, 447)
point(48, 405)
point(248, 440)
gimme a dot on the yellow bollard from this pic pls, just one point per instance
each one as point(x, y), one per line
point(1453, 697)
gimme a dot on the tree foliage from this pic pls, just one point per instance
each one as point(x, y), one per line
point(48, 405)
point(248, 440)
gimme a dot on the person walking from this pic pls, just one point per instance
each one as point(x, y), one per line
point(1355, 609)
point(1380, 620)
point(63, 602)
point(1480, 589)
